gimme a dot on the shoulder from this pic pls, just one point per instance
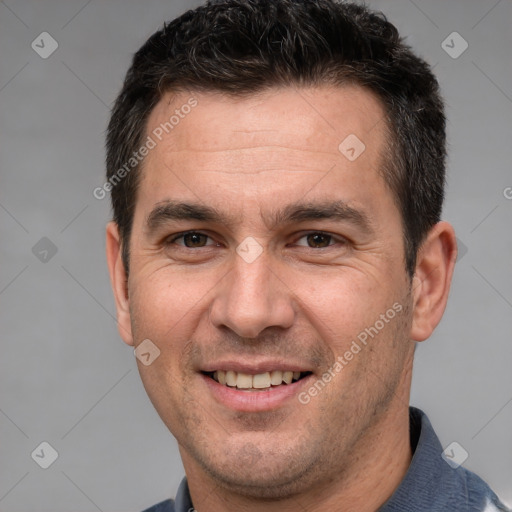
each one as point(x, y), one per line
point(457, 488)
point(163, 506)
point(479, 496)
point(181, 503)
point(435, 482)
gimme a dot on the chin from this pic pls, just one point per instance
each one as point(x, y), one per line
point(252, 473)
point(276, 485)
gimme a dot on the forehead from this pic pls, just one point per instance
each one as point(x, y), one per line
point(263, 147)
point(308, 119)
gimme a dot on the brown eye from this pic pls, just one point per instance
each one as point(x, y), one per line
point(317, 240)
point(191, 240)
point(194, 239)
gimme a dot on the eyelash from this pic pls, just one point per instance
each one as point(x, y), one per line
point(176, 237)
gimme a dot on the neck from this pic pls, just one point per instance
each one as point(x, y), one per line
point(377, 465)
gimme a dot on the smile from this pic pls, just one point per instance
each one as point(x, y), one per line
point(257, 382)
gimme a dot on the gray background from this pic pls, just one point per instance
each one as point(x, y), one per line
point(65, 375)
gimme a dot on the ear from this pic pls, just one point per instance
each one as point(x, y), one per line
point(432, 278)
point(118, 281)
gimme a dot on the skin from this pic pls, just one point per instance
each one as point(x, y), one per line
point(348, 448)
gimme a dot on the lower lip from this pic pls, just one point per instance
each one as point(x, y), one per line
point(254, 401)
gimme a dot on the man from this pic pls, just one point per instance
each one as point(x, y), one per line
point(277, 172)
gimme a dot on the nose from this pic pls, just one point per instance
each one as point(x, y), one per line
point(251, 298)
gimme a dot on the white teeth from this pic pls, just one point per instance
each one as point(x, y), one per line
point(287, 377)
point(276, 378)
point(244, 381)
point(259, 381)
point(231, 378)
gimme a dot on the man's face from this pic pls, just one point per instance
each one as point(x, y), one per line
point(281, 281)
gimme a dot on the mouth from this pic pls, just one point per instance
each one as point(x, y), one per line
point(264, 381)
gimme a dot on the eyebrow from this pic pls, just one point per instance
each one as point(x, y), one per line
point(169, 211)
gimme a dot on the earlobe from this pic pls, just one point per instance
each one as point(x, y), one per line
point(118, 282)
point(431, 283)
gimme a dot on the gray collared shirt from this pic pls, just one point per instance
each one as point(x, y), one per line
point(430, 484)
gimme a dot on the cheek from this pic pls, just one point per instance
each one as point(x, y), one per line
point(164, 305)
point(341, 304)
point(164, 309)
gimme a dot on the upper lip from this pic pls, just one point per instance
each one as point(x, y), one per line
point(255, 367)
